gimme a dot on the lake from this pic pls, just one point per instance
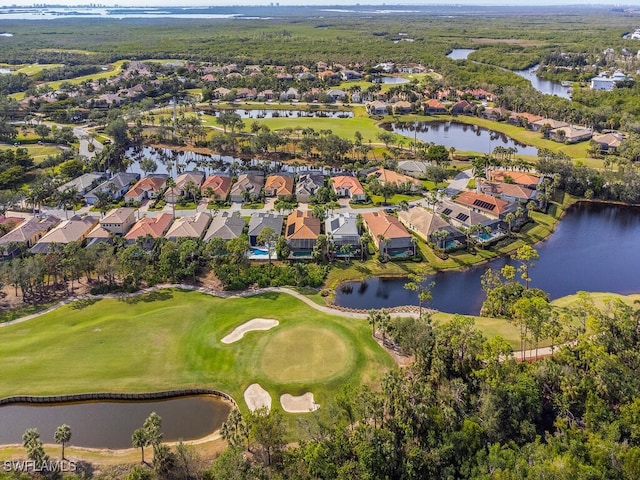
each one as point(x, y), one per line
point(460, 53)
point(595, 248)
point(174, 162)
point(461, 136)
point(92, 423)
point(390, 80)
point(544, 86)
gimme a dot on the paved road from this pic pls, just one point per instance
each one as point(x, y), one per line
point(83, 135)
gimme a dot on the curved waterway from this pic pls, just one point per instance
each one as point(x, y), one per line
point(110, 424)
point(595, 248)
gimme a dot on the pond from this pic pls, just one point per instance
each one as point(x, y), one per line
point(544, 86)
point(460, 53)
point(174, 162)
point(93, 426)
point(595, 248)
point(461, 136)
point(391, 80)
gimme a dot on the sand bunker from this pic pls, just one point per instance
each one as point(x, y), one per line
point(302, 404)
point(251, 325)
point(257, 397)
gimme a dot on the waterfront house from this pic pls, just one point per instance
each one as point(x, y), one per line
point(248, 186)
point(433, 107)
point(483, 203)
point(279, 185)
point(509, 192)
point(184, 182)
point(432, 228)
point(216, 187)
point(388, 234)
point(462, 107)
point(524, 179)
point(116, 187)
point(308, 185)
point(348, 186)
point(146, 188)
point(83, 183)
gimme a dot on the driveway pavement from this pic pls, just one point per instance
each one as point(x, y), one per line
point(459, 184)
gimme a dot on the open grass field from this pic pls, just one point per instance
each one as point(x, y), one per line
point(30, 69)
point(115, 69)
point(38, 152)
point(171, 339)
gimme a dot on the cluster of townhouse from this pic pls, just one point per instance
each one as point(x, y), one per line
point(484, 212)
point(222, 187)
point(44, 234)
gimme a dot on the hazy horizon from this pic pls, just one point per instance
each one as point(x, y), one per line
point(337, 3)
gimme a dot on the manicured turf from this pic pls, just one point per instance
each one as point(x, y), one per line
point(171, 339)
point(305, 354)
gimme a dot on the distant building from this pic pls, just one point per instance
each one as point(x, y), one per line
point(605, 83)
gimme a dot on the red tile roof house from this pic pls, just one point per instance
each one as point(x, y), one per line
point(433, 106)
point(488, 205)
point(148, 229)
point(347, 186)
point(216, 187)
point(182, 183)
point(385, 175)
point(145, 188)
point(302, 232)
point(524, 179)
point(390, 237)
point(278, 186)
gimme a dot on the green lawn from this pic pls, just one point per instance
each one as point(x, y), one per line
point(115, 69)
point(171, 339)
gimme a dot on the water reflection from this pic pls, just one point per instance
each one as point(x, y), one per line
point(92, 423)
point(461, 136)
point(594, 248)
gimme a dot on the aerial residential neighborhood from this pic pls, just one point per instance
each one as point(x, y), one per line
point(351, 241)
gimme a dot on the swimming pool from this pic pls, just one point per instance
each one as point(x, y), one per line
point(259, 252)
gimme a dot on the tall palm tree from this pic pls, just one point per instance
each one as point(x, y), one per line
point(62, 436)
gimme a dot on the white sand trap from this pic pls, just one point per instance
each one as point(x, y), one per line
point(257, 397)
point(302, 404)
point(251, 325)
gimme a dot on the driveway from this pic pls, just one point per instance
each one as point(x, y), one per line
point(459, 184)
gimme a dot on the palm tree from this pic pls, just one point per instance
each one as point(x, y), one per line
point(62, 436)
point(140, 440)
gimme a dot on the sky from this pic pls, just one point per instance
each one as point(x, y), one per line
point(126, 3)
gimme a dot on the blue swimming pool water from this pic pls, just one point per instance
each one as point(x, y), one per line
point(259, 252)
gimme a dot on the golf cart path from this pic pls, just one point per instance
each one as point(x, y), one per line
point(215, 293)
